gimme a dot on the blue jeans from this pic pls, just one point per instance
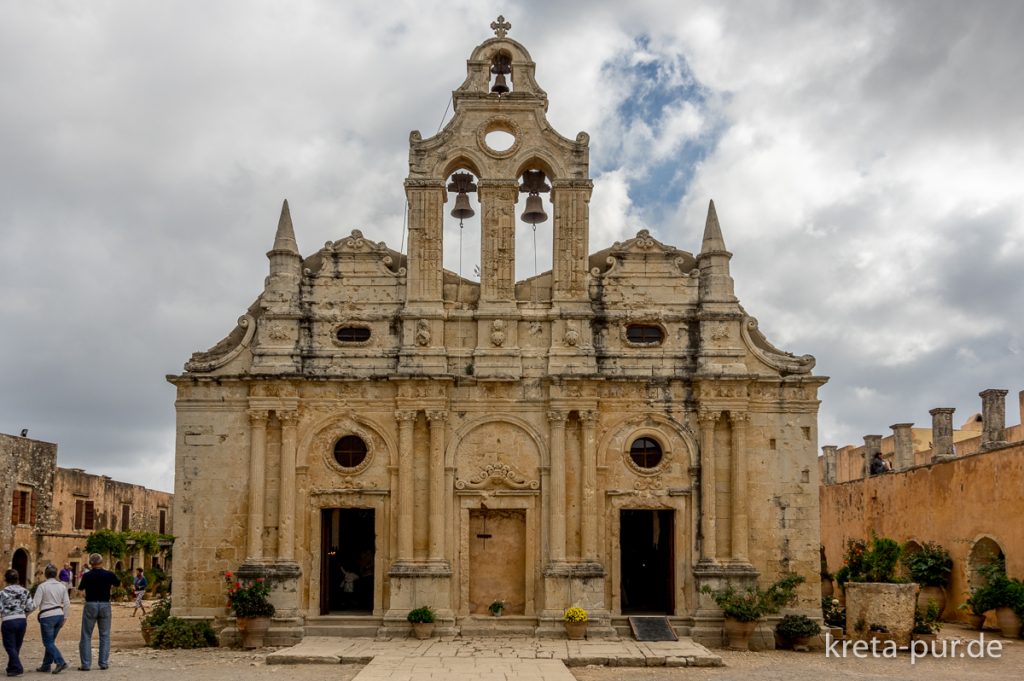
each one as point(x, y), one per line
point(13, 635)
point(49, 627)
point(95, 613)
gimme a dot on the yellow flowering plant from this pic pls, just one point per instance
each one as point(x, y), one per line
point(575, 614)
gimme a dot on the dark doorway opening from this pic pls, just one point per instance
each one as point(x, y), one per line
point(347, 549)
point(20, 563)
point(647, 559)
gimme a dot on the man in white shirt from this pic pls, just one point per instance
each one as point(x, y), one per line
point(52, 601)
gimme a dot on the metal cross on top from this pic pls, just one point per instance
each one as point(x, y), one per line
point(500, 26)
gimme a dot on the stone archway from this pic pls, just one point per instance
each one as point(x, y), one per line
point(984, 552)
point(19, 562)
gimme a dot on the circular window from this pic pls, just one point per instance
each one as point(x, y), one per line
point(499, 140)
point(645, 452)
point(350, 451)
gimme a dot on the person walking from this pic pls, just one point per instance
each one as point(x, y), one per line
point(96, 583)
point(15, 603)
point(140, 584)
point(53, 603)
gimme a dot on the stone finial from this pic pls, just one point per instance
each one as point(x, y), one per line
point(284, 240)
point(872, 444)
point(903, 443)
point(500, 27)
point(830, 464)
point(993, 418)
point(713, 240)
point(942, 433)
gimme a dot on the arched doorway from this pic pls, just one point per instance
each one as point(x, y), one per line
point(985, 551)
point(20, 563)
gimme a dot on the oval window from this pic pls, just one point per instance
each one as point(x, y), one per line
point(353, 334)
point(646, 334)
point(350, 451)
point(645, 452)
point(500, 140)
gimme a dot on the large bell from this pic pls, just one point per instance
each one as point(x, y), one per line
point(534, 212)
point(500, 85)
point(462, 209)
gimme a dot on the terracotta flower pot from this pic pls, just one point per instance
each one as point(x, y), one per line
point(422, 630)
point(1008, 621)
point(931, 593)
point(737, 633)
point(147, 634)
point(827, 588)
point(975, 622)
point(253, 630)
point(576, 631)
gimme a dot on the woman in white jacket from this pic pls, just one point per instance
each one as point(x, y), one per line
point(52, 601)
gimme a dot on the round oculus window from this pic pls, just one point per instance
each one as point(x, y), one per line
point(645, 452)
point(350, 451)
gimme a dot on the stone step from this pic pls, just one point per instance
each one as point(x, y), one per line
point(347, 626)
point(506, 625)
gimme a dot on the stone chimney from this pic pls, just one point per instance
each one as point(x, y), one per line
point(942, 433)
point(903, 441)
point(993, 418)
point(830, 464)
point(872, 444)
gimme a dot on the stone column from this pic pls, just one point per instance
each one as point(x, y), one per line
point(436, 501)
point(426, 220)
point(740, 494)
point(570, 253)
point(286, 505)
point(556, 532)
point(942, 433)
point(709, 549)
point(903, 443)
point(590, 509)
point(498, 240)
point(993, 418)
point(830, 464)
point(406, 503)
point(257, 464)
point(872, 444)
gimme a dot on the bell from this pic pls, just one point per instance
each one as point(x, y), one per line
point(500, 86)
point(462, 209)
point(534, 212)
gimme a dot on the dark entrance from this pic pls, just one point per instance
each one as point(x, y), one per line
point(347, 547)
point(647, 559)
point(20, 563)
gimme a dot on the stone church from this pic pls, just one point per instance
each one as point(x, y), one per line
point(378, 433)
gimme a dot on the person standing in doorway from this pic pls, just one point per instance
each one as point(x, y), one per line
point(139, 585)
point(65, 576)
point(15, 603)
point(53, 603)
point(96, 583)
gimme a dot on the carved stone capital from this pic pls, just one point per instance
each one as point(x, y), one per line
point(556, 416)
point(739, 418)
point(288, 418)
point(589, 417)
point(437, 415)
point(708, 416)
point(258, 417)
point(402, 415)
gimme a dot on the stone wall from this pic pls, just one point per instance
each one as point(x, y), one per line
point(26, 465)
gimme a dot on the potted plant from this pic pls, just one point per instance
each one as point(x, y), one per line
point(926, 624)
point(1002, 594)
point(743, 609)
point(974, 620)
point(158, 614)
point(422, 620)
point(930, 567)
point(834, 615)
point(496, 608)
point(575, 623)
point(250, 601)
point(874, 592)
point(797, 630)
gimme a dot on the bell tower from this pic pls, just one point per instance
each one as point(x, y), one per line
point(499, 94)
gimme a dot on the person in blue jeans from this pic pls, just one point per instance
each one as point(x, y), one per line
point(52, 602)
point(15, 604)
point(96, 583)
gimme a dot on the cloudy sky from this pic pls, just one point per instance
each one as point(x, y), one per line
point(866, 160)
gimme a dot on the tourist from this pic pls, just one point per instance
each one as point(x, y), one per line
point(65, 576)
point(53, 603)
point(96, 583)
point(15, 603)
point(139, 585)
point(879, 465)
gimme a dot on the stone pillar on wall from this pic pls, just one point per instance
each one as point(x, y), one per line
point(903, 442)
point(872, 444)
point(406, 504)
point(286, 505)
point(556, 514)
point(993, 418)
point(436, 500)
point(830, 464)
point(709, 549)
point(942, 433)
point(498, 241)
point(589, 510)
point(740, 493)
point(422, 348)
point(257, 464)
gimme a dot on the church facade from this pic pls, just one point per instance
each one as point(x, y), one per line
point(378, 433)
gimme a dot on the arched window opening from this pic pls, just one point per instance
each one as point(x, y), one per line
point(462, 227)
point(501, 74)
point(984, 552)
point(533, 254)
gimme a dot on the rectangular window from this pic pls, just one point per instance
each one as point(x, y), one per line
point(85, 515)
point(21, 508)
point(163, 521)
point(126, 516)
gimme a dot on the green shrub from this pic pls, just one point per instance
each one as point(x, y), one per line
point(999, 591)
point(928, 622)
point(107, 542)
point(158, 614)
point(754, 603)
point(931, 566)
point(797, 626)
point(874, 564)
point(180, 633)
point(832, 612)
point(421, 615)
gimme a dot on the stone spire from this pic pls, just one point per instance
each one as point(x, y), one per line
point(284, 240)
point(713, 241)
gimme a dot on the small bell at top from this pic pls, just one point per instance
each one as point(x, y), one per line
point(500, 85)
point(534, 212)
point(462, 209)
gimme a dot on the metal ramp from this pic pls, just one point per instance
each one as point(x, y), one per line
point(652, 628)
